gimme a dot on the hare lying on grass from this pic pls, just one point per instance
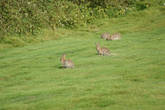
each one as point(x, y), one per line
point(115, 36)
point(105, 36)
point(66, 63)
point(102, 50)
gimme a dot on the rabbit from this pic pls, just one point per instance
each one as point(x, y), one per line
point(105, 36)
point(66, 63)
point(109, 38)
point(115, 36)
point(102, 50)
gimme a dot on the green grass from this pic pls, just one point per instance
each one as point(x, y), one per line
point(132, 79)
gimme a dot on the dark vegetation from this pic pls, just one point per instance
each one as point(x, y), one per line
point(27, 17)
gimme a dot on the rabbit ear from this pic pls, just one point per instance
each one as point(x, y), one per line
point(63, 55)
point(97, 43)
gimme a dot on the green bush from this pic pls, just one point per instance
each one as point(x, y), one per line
point(29, 16)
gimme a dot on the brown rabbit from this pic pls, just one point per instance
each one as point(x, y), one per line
point(105, 36)
point(109, 38)
point(115, 36)
point(66, 63)
point(102, 50)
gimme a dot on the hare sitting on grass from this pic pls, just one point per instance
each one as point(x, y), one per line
point(66, 63)
point(102, 50)
point(105, 36)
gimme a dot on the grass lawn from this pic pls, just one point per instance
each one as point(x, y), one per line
point(133, 78)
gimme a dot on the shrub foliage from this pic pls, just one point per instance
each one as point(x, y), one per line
point(29, 16)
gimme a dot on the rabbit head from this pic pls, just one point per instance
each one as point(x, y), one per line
point(97, 46)
point(62, 59)
point(105, 35)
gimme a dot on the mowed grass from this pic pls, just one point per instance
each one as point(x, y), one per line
point(133, 78)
